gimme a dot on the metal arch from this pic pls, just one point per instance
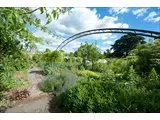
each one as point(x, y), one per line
point(140, 32)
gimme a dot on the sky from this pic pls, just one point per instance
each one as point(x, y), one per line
point(82, 19)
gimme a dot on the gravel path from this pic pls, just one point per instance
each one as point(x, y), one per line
point(38, 102)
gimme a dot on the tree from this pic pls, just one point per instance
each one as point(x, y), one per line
point(15, 31)
point(107, 53)
point(56, 56)
point(16, 36)
point(52, 56)
point(88, 52)
point(148, 56)
point(125, 44)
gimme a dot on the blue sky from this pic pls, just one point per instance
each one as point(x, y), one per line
point(132, 20)
point(81, 19)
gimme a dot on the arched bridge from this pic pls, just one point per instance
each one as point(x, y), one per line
point(147, 33)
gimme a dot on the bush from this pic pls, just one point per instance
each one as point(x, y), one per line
point(87, 73)
point(53, 68)
point(7, 79)
point(148, 57)
point(37, 58)
point(6, 74)
point(22, 61)
point(50, 84)
point(58, 83)
point(108, 96)
point(152, 81)
point(100, 67)
point(52, 56)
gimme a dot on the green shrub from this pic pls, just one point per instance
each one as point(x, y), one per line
point(100, 67)
point(22, 61)
point(7, 70)
point(6, 74)
point(58, 83)
point(37, 58)
point(148, 57)
point(53, 68)
point(50, 84)
point(152, 81)
point(109, 75)
point(87, 73)
point(108, 96)
point(52, 56)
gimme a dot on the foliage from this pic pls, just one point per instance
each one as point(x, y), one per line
point(148, 57)
point(8, 66)
point(100, 67)
point(50, 84)
point(87, 73)
point(125, 44)
point(118, 89)
point(6, 74)
point(21, 61)
point(88, 52)
point(54, 68)
point(16, 38)
point(132, 76)
point(119, 67)
point(37, 57)
point(58, 83)
point(152, 80)
point(14, 27)
point(90, 95)
point(107, 53)
point(5, 103)
point(49, 56)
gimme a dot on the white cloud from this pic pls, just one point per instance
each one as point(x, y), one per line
point(118, 10)
point(153, 17)
point(79, 20)
point(108, 42)
point(72, 46)
point(140, 12)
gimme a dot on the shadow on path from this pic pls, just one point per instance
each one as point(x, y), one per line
point(3, 109)
point(36, 72)
point(53, 107)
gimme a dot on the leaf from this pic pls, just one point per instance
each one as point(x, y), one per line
point(48, 21)
point(47, 15)
point(41, 9)
point(1, 25)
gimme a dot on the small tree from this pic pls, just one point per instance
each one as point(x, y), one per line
point(56, 56)
point(88, 52)
point(132, 76)
point(107, 53)
point(125, 44)
point(148, 57)
point(153, 76)
point(49, 56)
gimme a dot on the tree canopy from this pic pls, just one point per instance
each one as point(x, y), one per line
point(125, 44)
point(148, 56)
point(88, 52)
point(15, 33)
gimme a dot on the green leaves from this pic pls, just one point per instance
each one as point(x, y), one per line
point(125, 44)
point(41, 9)
point(88, 52)
point(55, 14)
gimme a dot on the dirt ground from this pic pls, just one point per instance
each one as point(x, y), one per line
point(37, 102)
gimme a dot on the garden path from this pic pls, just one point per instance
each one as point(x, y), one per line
point(37, 102)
